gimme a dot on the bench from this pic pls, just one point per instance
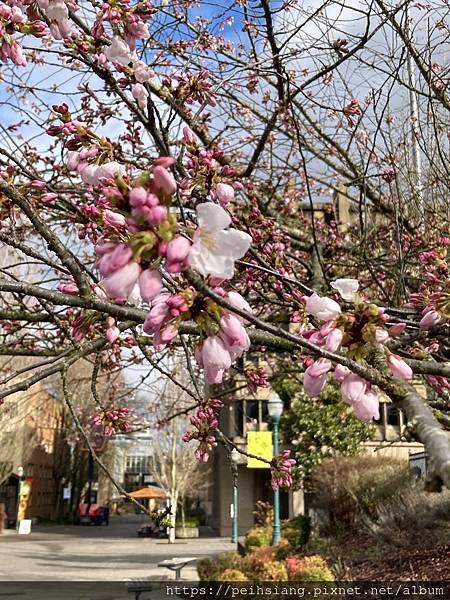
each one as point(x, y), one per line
point(176, 564)
point(146, 584)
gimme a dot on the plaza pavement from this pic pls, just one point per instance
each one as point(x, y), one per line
point(99, 556)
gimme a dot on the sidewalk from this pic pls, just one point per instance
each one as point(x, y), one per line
point(96, 554)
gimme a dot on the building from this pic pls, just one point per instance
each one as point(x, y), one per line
point(28, 422)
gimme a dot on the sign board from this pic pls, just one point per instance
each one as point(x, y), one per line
point(24, 497)
point(259, 443)
point(25, 527)
point(66, 493)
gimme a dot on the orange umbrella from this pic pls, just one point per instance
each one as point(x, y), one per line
point(149, 492)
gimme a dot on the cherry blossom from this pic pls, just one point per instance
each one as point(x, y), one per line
point(216, 247)
point(347, 288)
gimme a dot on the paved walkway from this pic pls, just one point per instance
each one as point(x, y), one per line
point(95, 554)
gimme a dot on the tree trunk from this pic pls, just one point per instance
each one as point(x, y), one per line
point(173, 487)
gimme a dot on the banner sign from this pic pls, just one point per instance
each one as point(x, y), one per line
point(24, 497)
point(259, 443)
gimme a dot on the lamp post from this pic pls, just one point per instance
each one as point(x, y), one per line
point(234, 506)
point(20, 473)
point(275, 408)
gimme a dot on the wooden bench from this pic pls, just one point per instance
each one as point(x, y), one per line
point(177, 563)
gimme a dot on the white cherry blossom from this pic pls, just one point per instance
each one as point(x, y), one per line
point(323, 309)
point(347, 288)
point(216, 247)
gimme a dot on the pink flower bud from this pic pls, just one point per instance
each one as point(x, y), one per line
point(319, 367)
point(397, 329)
point(341, 372)
point(334, 340)
point(73, 160)
point(399, 368)
point(178, 249)
point(381, 335)
point(164, 161)
point(157, 215)
point(224, 193)
point(113, 219)
point(150, 284)
point(188, 136)
point(314, 385)
point(49, 197)
point(353, 388)
point(431, 319)
point(137, 196)
point(164, 181)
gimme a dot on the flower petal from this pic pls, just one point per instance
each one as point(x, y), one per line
point(212, 217)
point(233, 242)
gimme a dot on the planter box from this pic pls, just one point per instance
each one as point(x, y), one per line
point(186, 532)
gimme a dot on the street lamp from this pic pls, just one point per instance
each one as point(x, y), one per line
point(275, 408)
point(234, 506)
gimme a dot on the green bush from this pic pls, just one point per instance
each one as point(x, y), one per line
point(188, 522)
point(308, 568)
point(350, 489)
point(297, 531)
point(257, 537)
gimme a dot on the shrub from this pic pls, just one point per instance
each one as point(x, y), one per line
point(207, 569)
point(349, 489)
point(210, 569)
point(308, 568)
point(263, 514)
point(273, 570)
point(232, 575)
point(257, 537)
point(297, 531)
point(262, 565)
point(283, 549)
point(412, 514)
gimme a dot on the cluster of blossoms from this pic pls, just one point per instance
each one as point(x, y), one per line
point(205, 175)
point(281, 470)
point(355, 332)
point(188, 87)
point(205, 421)
point(139, 242)
point(57, 12)
point(433, 297)
point(256, 378)
point(112, 421)
point(127, 20)
point(18, 19)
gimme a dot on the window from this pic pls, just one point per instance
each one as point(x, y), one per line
point(138, 464)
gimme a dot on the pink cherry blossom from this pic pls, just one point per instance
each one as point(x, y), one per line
point(120, 284)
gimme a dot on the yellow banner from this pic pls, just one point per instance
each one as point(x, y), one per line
point(24, 496)
point(259, 443)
